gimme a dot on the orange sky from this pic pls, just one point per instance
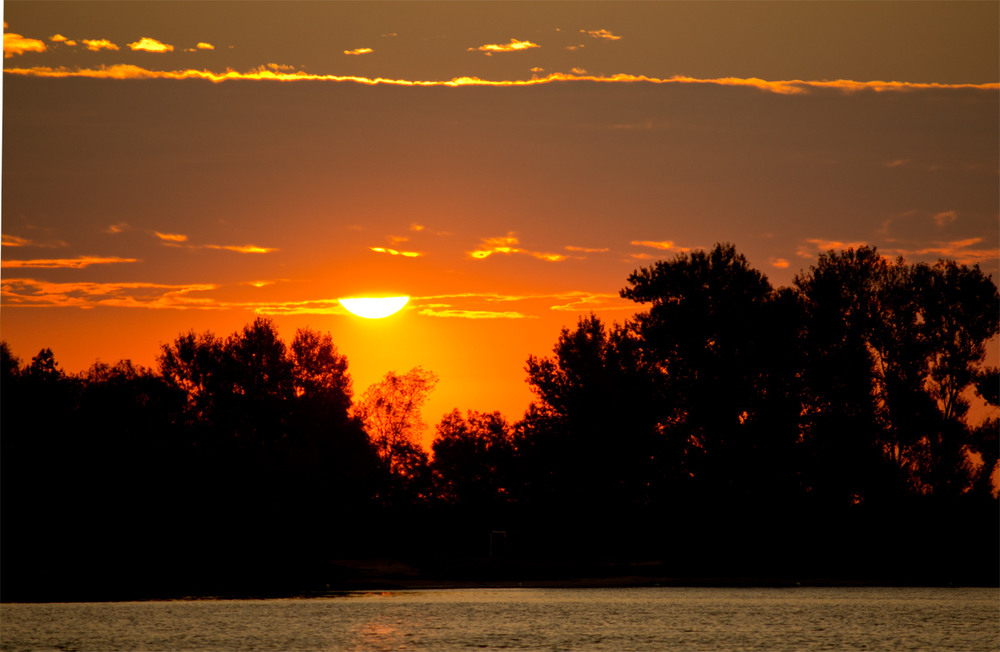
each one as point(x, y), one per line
point(141, 199)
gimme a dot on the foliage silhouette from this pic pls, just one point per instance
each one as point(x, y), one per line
point(730, 428)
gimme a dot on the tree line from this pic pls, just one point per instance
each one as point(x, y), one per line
point(730, 427)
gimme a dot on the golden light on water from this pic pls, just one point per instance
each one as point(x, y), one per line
point(374, 308)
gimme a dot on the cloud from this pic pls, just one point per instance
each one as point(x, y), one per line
point(59, 38)
point(96, 45)
point(601, 34)
point(586, 250)
point(508, 245)
point(394, 252)
point(15, 44)
point(476, 305)
point(579, 71)
point(588, 301)
point(147, 44)
point(358, 51)
point(14, 241)
point(204, 46)
point(816, 246)
point(513, 46)
point(790, 87)
point(120, 227)
point(65, 263)
point(242, 249)
point(170, 237)
point(779, 263)
point(965, 252)
point(417, 227)
point(946, 217)
point(30, 292)
point(662, 245)
point(473, 314)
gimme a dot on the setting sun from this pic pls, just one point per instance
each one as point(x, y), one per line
point(372, 308)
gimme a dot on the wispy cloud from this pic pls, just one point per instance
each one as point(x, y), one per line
point(779, 263)
point(171, 237)
point(147, 44)
point(601, 34)
point(59, 38)
point(509, 245)
point(181, 240)
point(968, 251)
point(30, 292)
point(242, 249)
point(587, 250)
point(457, 313)
point(119, 227)
point(65, 263)
point(790, 87)
point(815, 246)
point(395, 252)
point(513, 46)
point(945, 217)
point(14, 241)
point(15, 44)
point(204, 46)
point(358, 51)
point(662, 245)
point(96, 45)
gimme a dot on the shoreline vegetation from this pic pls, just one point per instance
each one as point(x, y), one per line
point(731, 434)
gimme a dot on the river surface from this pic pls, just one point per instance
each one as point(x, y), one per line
point(525, 619)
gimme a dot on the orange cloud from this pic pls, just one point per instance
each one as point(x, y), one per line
point(242, 249)
point(14, 241)
point(96, 45)
point(14, 44)
point(508, 245)
point(358, 51)
point(59, 38)
point(601, 34)
point(170, 237)
point(205, 46)
point(664, 245)
point(394, 252)
point(586, 250)
point(65, 263)
point(946, 217)
point(513, 46)
point(816, 246)
point(963, 251)
point(780, 263)
point(30, 292)
point(473, 314)
point(128, 71)
point(120, 227)
point(147, 44)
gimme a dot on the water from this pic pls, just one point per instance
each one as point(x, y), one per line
point(525, 619)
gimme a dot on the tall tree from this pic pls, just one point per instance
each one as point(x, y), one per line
point(390, 411)
point(473, 456)
point(714, 334)
point(591, 436)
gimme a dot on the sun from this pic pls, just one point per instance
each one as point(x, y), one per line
point(372, 308)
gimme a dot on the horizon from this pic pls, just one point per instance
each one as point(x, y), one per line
point(141, 202)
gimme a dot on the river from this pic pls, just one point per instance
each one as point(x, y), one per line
point(525, 619)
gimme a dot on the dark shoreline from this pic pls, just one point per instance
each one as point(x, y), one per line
point(347, 577)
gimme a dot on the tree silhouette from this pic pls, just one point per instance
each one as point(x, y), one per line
point(590, 438)
point(390, 412)
point(714, 335)
point(473, 457)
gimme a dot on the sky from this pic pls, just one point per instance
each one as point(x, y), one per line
point(177, 166)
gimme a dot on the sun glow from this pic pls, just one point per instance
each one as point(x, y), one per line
point(371, 308)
